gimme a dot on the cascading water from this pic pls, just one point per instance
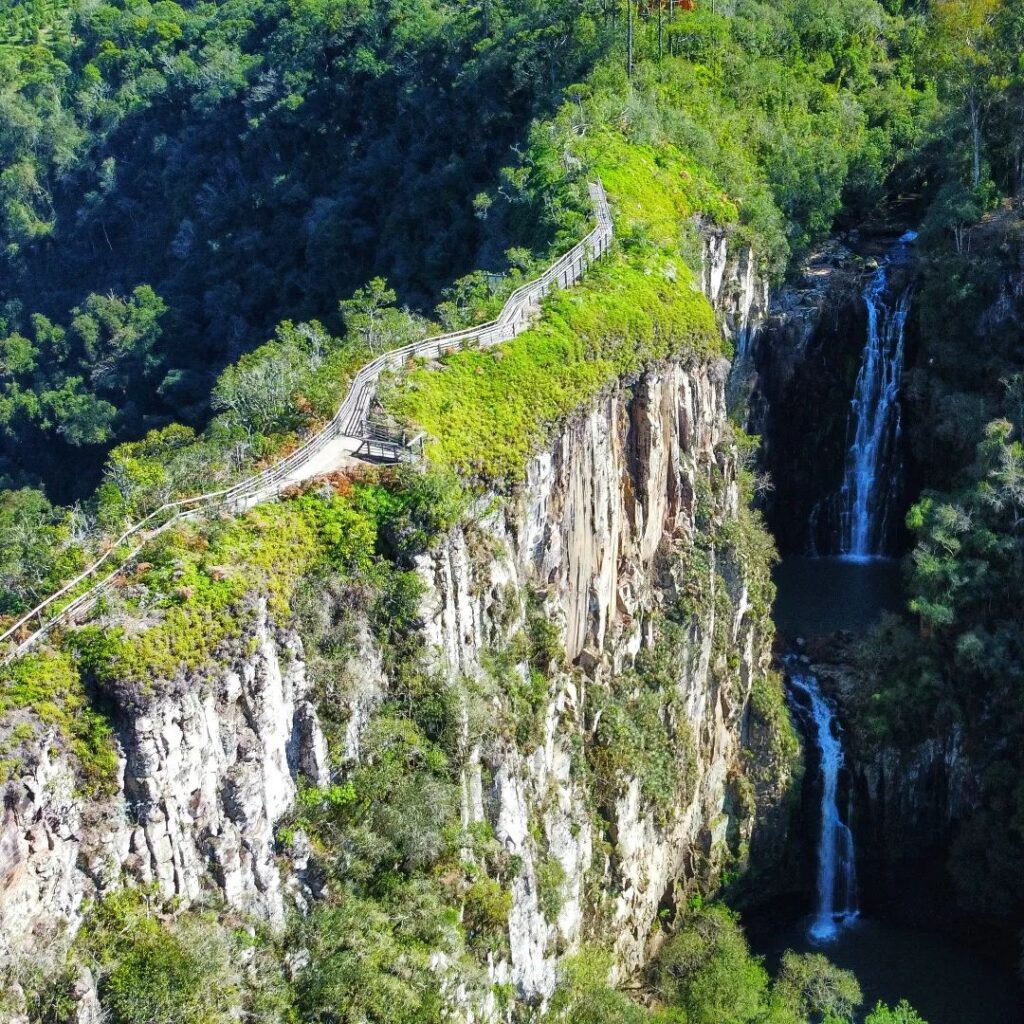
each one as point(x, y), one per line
point(837, 867)
point(869, 481)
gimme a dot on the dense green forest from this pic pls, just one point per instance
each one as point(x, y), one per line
point(181, 178)
point(212, 213)
point(798, 115)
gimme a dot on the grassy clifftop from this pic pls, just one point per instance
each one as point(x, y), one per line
point(488, 412)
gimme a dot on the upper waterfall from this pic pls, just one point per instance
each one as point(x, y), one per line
point(870, 477)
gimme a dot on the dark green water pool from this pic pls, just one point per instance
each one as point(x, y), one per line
point(822, 595)
point(945, 981)
point(945, 977)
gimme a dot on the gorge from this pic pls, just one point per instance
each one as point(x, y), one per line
point(856, 585)
point(528, 608)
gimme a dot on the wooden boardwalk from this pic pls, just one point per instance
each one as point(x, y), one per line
point(348, 435)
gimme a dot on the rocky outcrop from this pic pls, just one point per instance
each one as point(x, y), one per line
point(735, 287)
point(204, 775)
point(795, 383)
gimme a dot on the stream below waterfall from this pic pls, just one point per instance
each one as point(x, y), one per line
point(949, 978)
point(945, 980)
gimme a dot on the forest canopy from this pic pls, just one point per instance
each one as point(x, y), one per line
point(178, 179)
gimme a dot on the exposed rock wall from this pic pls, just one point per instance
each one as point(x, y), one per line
point(204, 775)
point(793, 385)
point(595, 535)
point(735, 287)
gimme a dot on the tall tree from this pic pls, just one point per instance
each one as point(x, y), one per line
point(964, 56)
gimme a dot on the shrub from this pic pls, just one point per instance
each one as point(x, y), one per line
point(815, 988)
point(707, 969)
point(485, 913)
point(361, 969)
point(904, 1013)
point(48, 687)
point(584, 995)
point(551, 879)
point(156, 973)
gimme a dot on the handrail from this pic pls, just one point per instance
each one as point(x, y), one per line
point(349, 421)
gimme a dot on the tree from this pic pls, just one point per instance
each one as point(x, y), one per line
point(584, 995)
point(815, 988)
point(18, 356)
point(145, 474)
point(258, 390)
point(119, 337)
point(360, 971)
point(365, 312)
point(707, 969)
point(904, 1013)
point(962, 50)
point(28, 540)
point(79, 416)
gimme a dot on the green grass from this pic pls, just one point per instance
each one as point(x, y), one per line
point(654, 189)
point(205, 579)
point(487, 413)
point(48, 688)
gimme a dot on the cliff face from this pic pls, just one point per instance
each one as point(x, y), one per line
point(631, 519)
point(599, 539)
point(203, 777)
point(794, 383)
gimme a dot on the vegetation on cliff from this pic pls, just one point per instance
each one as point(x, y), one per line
point(958, 673)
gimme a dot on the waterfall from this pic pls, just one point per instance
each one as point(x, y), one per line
point(875, 416)
point(870, 475)
point(837, 867)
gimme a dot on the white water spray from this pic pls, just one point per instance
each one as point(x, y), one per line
point(875, 417)
point(837, 867)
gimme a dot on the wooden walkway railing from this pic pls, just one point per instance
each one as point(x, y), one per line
point(350, 423)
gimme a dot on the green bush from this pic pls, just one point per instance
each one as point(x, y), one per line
point(551, 880)
point(485, 913)
point(816, 989)
point(904, 1013)
point(584, 995)
point(154, 973)
point(47, 687)
point(363, 969)
point(707, 969)
point(643, 732)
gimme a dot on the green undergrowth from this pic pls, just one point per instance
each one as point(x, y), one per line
point(654, 190)
point(643, 732)
point(488, 412)
point(154, 963)
point(194, 593)
point(45, 691)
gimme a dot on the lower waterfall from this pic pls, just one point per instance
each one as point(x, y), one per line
point(837, 868)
